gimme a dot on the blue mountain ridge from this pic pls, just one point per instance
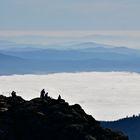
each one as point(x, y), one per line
point(92, 57)
point(129, 125)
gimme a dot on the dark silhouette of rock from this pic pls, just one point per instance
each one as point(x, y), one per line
point(59, 97)
point(49, 119)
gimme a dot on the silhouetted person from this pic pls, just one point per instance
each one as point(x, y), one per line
point(13, 94)
point(46, 95)
point(42, 93)
point(59, 97)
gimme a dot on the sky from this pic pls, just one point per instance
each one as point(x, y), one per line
point(112, 22)
point(25, 15)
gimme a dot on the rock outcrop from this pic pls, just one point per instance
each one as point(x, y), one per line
point(49, 119)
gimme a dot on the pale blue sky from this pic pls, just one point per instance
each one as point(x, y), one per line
point(69, 15)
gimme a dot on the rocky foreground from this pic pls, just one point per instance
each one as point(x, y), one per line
point(49, 119)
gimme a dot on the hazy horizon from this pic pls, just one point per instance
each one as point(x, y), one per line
point(116, 38)
point(52, 22)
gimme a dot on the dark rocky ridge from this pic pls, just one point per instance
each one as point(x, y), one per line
point(49, 119)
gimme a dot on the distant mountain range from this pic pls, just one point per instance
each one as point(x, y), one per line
point(87, 56)
point(130, 126)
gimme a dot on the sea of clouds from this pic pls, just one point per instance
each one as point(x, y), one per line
point(105, 95)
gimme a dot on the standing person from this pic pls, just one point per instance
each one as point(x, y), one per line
point(42, 93)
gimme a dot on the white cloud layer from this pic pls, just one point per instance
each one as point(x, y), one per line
point(105, 95)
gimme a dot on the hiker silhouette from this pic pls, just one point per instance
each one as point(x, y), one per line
point(42, 93)
point(46, 95)
point(13, 94)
